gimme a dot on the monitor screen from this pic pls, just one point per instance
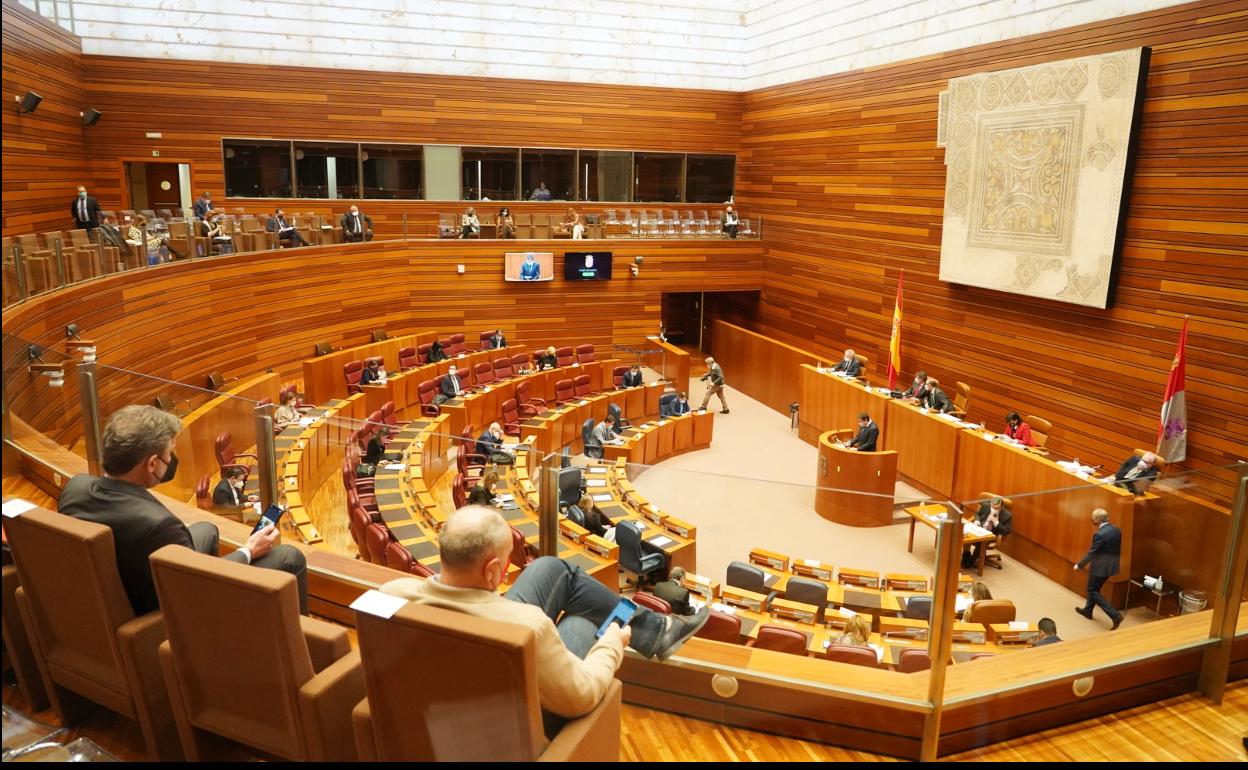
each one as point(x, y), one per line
point(587, 265)
point(569, 486)
point(529, 266)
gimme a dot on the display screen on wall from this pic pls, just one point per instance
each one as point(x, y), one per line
point(529, 266)
point(587, 265)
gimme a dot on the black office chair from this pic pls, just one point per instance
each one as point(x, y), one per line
point(575, 515)
point(919, 608)
point(620, 422)
point(632, 559)
point(808, 591)
point(566, 460)
point(592, 447)
point(666, 402)
point(748, 577)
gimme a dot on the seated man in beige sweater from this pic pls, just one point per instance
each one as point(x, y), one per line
point(573, 668)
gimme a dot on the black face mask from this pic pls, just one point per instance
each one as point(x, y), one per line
point(171, 468)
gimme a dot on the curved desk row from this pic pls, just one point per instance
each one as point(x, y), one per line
point(323, 378)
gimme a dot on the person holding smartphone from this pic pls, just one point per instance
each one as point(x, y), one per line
point(575, 665)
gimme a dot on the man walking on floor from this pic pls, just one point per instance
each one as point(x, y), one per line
point(716, 388)
point(1102, 561)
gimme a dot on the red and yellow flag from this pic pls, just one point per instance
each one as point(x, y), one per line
point(894, 343)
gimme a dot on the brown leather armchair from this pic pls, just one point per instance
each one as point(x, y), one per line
point(479, 677)
point(89, 646)
point(990, 611)
point(241, 664)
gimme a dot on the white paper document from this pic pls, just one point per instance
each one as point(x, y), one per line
point(379, 604)
point(595, 482)
point(602, 498)
point(16, 507)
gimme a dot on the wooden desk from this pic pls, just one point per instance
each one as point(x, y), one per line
point(672, 363)
point(651, 442)
point(925, 514)
point(852, 487)
point(927, 446)
point(322, 376)
point(828, 402)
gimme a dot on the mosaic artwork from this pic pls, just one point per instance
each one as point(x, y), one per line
point(1035, 159)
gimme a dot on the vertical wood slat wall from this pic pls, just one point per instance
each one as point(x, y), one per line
point(847, 175)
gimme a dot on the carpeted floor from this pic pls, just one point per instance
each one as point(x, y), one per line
point(754, 487)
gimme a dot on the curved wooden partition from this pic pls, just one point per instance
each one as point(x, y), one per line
point(852, 487)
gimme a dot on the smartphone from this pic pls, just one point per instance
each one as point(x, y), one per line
point(270, 517)
point(622, 614)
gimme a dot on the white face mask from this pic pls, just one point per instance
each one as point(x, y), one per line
point(237, 483)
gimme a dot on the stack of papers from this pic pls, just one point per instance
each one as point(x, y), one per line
point(1075, 468)
point(974, 530)
point(505, 497)
point(727, 609)
point(660, 541)
point(306, 421)
point(16, 507)
point(846, 612)
point(394, 466)
point(961, 602)
point(1018, 625)
point(602, 498)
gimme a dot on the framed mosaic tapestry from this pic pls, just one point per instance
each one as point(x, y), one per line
point(1036, 159)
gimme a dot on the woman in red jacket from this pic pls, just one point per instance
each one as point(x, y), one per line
point(1018, 430)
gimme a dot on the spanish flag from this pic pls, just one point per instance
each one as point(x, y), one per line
point(1172, 432)
point(894, 343)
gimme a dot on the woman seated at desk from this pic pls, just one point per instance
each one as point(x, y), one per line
point(1018, 430)
point(857, 631)
point(483, 492)
point(584, 514)
point(436, 353)
point(286, 414)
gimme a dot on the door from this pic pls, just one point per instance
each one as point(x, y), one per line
point(155, 186)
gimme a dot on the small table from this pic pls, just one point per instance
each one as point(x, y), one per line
point(924, 514)
point(1168, 589)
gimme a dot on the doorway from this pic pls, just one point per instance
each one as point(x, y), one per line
point(682, 318)
point(156, 186)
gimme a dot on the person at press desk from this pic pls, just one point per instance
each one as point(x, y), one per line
point(868, 434)
point(849, 365)
point(935, 398)
point(632, 378)
point(994, 517)
point(1018, 430)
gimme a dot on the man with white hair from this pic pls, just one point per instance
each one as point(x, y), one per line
point(716, 375)
point(560, 603)
point(1102, 562)
point(1137, 473)
point(850, 365)
point(356, 227)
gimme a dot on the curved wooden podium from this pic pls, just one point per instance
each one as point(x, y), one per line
point(844, 474)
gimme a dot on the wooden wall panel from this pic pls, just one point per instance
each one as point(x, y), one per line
point(847, 175)
point(246, 313)
point(44, 157)
point(195, 104)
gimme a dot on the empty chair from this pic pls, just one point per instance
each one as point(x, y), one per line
point(617, 376)
point(564, 356)
point(912, 660)
point(807, 591)
point(529, 404)
point(376, 539)
point(484, 342)
point(779, 639)
point(961, 398)
point(564, 392)
point(857, 654)
point(18, 648)
point(584, 354)
point(458, 494)
point(520, 362)
point(502, 368)
point(522, 554)
point(990, 611)
point(424, 657)
point(632, 558)
point(426, 391)
point(456, 345)
point(750, 578)
point(511, 417)
point(592, 448)
point(398, 557)
point(721, 627)
point(485, 373)
point(352, 371)
point(1040, 429)
point(653, 602)
point(422, 352)
point(614, 411)
point(85, 638)
point(286, 690)
point(581, 386)
point(408, 358)
point(227, 458)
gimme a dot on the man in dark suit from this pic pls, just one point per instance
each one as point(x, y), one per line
point(371, 373)
point(111, 235)
point(229, 490)
point(1102, 561)
point(356, 227)
point(632, 377)
point(868, 434)
point(489, 441)
point(203, 204)
point(672, 592)
point(934, 398)
point(918, 389)
point(1048, 632)
point(850, 365)
point(497, 340)
point(681, 406)
point(85, 210)
point(451, 387)
point(286, 232)
point(1137, 473)
point(994, 517)
point(138, 453)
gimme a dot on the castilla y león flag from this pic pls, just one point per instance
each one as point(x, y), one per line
point(1172, 433)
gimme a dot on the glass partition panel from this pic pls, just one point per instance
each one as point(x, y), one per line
point(548, 174)
point(393, 171)
point(257, 168)
point(657, 176)
point(41, 396)
point(327, 170)
point(489, 173)
point(605, 175)
point(443, 172)
point(709, 178)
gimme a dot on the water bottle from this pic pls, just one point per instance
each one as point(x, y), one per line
point(1160, 585)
